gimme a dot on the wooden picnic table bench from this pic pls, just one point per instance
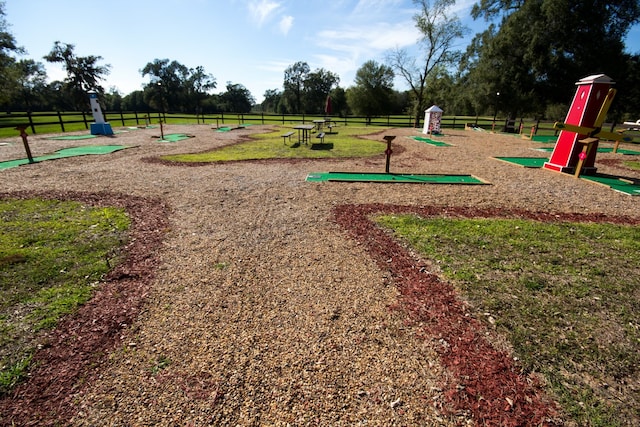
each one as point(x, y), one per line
point(321, 136)
point(285, 136)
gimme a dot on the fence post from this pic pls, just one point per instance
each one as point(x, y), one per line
point(84, 119)
point(454, 122)
point(262, 114)
point(135, 113)
point(283, 118)
point(33, 128)
point(61, 122)
point(122, 117)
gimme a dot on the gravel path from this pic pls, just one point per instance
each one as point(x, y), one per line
point(263, 311)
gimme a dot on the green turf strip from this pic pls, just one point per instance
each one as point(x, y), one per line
point(72, 137)
point(615, 183)
point(393, 178)
point(527, 162)
point(600, 150)
point(175, 137)
point(431, 141)
point(65, 152)
point(544, 138)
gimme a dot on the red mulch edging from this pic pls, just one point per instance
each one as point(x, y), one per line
point(486, 382)
point(77, 348)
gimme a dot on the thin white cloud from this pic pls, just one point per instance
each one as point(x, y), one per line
point(285, 24)
point(386, 36)
point(262, 10)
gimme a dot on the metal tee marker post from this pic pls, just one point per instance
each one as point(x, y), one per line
point(388, 151)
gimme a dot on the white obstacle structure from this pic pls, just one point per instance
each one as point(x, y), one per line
point(100, 127)
point(432, 120)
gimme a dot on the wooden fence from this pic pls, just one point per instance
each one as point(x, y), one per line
point(51, 122)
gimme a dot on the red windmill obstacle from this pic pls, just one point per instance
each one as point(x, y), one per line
point(575, 151)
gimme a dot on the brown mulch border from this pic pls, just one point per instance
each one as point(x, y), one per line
point(77, 349)
point(486, 382)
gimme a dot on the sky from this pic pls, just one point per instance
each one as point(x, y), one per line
point(247, 42)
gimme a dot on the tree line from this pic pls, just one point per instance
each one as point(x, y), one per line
point(525, 63)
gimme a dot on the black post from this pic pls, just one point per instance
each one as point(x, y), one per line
point(60, 120)
point(33, 128)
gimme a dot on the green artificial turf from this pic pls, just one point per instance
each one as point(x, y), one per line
point(175, 137)
point(615, 183)
point(72, 137)
point(430, 141)
point(393, 178)
point(65, 152)
point(527, 162)
point(600, 150)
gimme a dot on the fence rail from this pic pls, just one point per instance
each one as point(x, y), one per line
point(53, 122)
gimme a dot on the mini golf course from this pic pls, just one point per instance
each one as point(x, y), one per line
point(66, 152)
point(393, 178)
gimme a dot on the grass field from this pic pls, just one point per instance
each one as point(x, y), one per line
point(52, 255)
point(344, 142)
point(565, 295)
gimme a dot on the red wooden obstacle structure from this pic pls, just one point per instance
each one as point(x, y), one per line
point(575, 151)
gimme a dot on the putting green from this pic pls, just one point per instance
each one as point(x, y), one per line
point(431, 141)
point(175, 137)
point(600, 150)
point(543, 138)
point(615, 183)
point(72, 137)
point(527, 162)
point(393, 178)
point(66, 152)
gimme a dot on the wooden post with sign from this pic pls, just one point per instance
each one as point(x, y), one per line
point(388, 151)
point(23, 134)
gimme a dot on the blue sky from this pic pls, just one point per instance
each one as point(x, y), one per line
point(250, 42)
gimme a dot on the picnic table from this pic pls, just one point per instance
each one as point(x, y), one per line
point(304, 132)
point(318, 124)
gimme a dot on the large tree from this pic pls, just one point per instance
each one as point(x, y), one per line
point(83, 72)
point(237, 99)
point(32, 83)
point(166, 90)
point(199, 84)
point(294, 78)
point(317, 86)
point(373, 90)
point(8, 70)
point(439, 30)
point(541, 48)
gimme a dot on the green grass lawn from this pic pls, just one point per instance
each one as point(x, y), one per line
point(566, 295)
point(52, 255)
point(633, 164)
point(344, 142)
